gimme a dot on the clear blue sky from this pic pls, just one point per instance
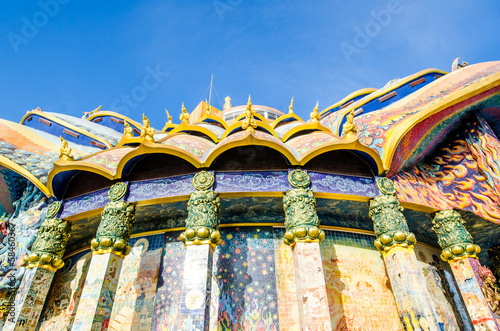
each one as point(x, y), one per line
point(82, 54)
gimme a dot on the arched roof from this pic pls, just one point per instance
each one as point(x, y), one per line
point(390, 139)
point(407, 130)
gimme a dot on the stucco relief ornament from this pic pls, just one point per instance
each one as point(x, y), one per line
point(128, 131)
point(115, 228)
point(301, 219)
point(147, 132)
point(389, 222)
point(349, 128)
point(184, 117)
point(50, 244)
point(202, 223)
point(65, 151)
point(453, 237)
point(315, 117)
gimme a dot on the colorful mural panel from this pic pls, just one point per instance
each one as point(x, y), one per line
point(449, 179)
point(442, 287)
point(64, 297)
point(376, 127)
point(18, 232)
point(168, 293)
point(285, 284)
point(359, 293)
point(133, 304)
point(29, 300)
point(246, 284)
point(477, 307)
point(98, 293)
point(194, 310)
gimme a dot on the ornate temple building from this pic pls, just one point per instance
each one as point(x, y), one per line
point(380, 212)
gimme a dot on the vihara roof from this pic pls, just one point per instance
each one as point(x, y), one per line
point(397, 126)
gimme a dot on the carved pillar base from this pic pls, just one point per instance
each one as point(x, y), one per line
point(29, 301)
point(314, 311)
point(98, 293)
point(415, 306)
point(195, 298)
point(480, 314)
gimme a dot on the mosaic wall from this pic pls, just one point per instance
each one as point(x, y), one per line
point(62, 303)
point(442, 286)
point(29, 300)
point(478, 309)
point(22, 226)
point(244, 293)
point(459, 174)
point(285, 284)
point(253, 285)
point(98, 293)
point(243, 285)
point(133, 304)
point(168, 293)
point(359, 292)
point(358, 289)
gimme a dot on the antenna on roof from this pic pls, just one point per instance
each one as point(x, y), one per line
point(211, 84)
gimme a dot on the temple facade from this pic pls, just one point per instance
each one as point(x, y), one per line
point(380, 212)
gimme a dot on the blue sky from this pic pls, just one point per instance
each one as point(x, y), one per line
point(71, 56)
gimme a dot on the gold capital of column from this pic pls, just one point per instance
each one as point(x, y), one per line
point(388, 220)
point(299, 204)
point(453, 237)
point(50, 244)
point(202, 223)
point(115, 228)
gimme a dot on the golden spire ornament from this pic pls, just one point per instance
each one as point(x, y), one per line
point(127, 132)
point(315, 115)
point(147, 132)
point(290, 108)
point(349, 128)
point(169, 117)
point(65, 151)
point(249, 123)
point(184, 115)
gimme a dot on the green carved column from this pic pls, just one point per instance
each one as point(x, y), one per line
point(460, 252)
point(45, 259)
point(304, 236)
point(200, 237)
point(395, 241)
point(109, 247)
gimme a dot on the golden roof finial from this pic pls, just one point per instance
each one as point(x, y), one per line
point(249, 123)
point(290, 108)
point(349, 128)
point(184, 115)
point(147, 132)
point(315, 115)
point(128, 129)
point(169, 117)
point(65, 151)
